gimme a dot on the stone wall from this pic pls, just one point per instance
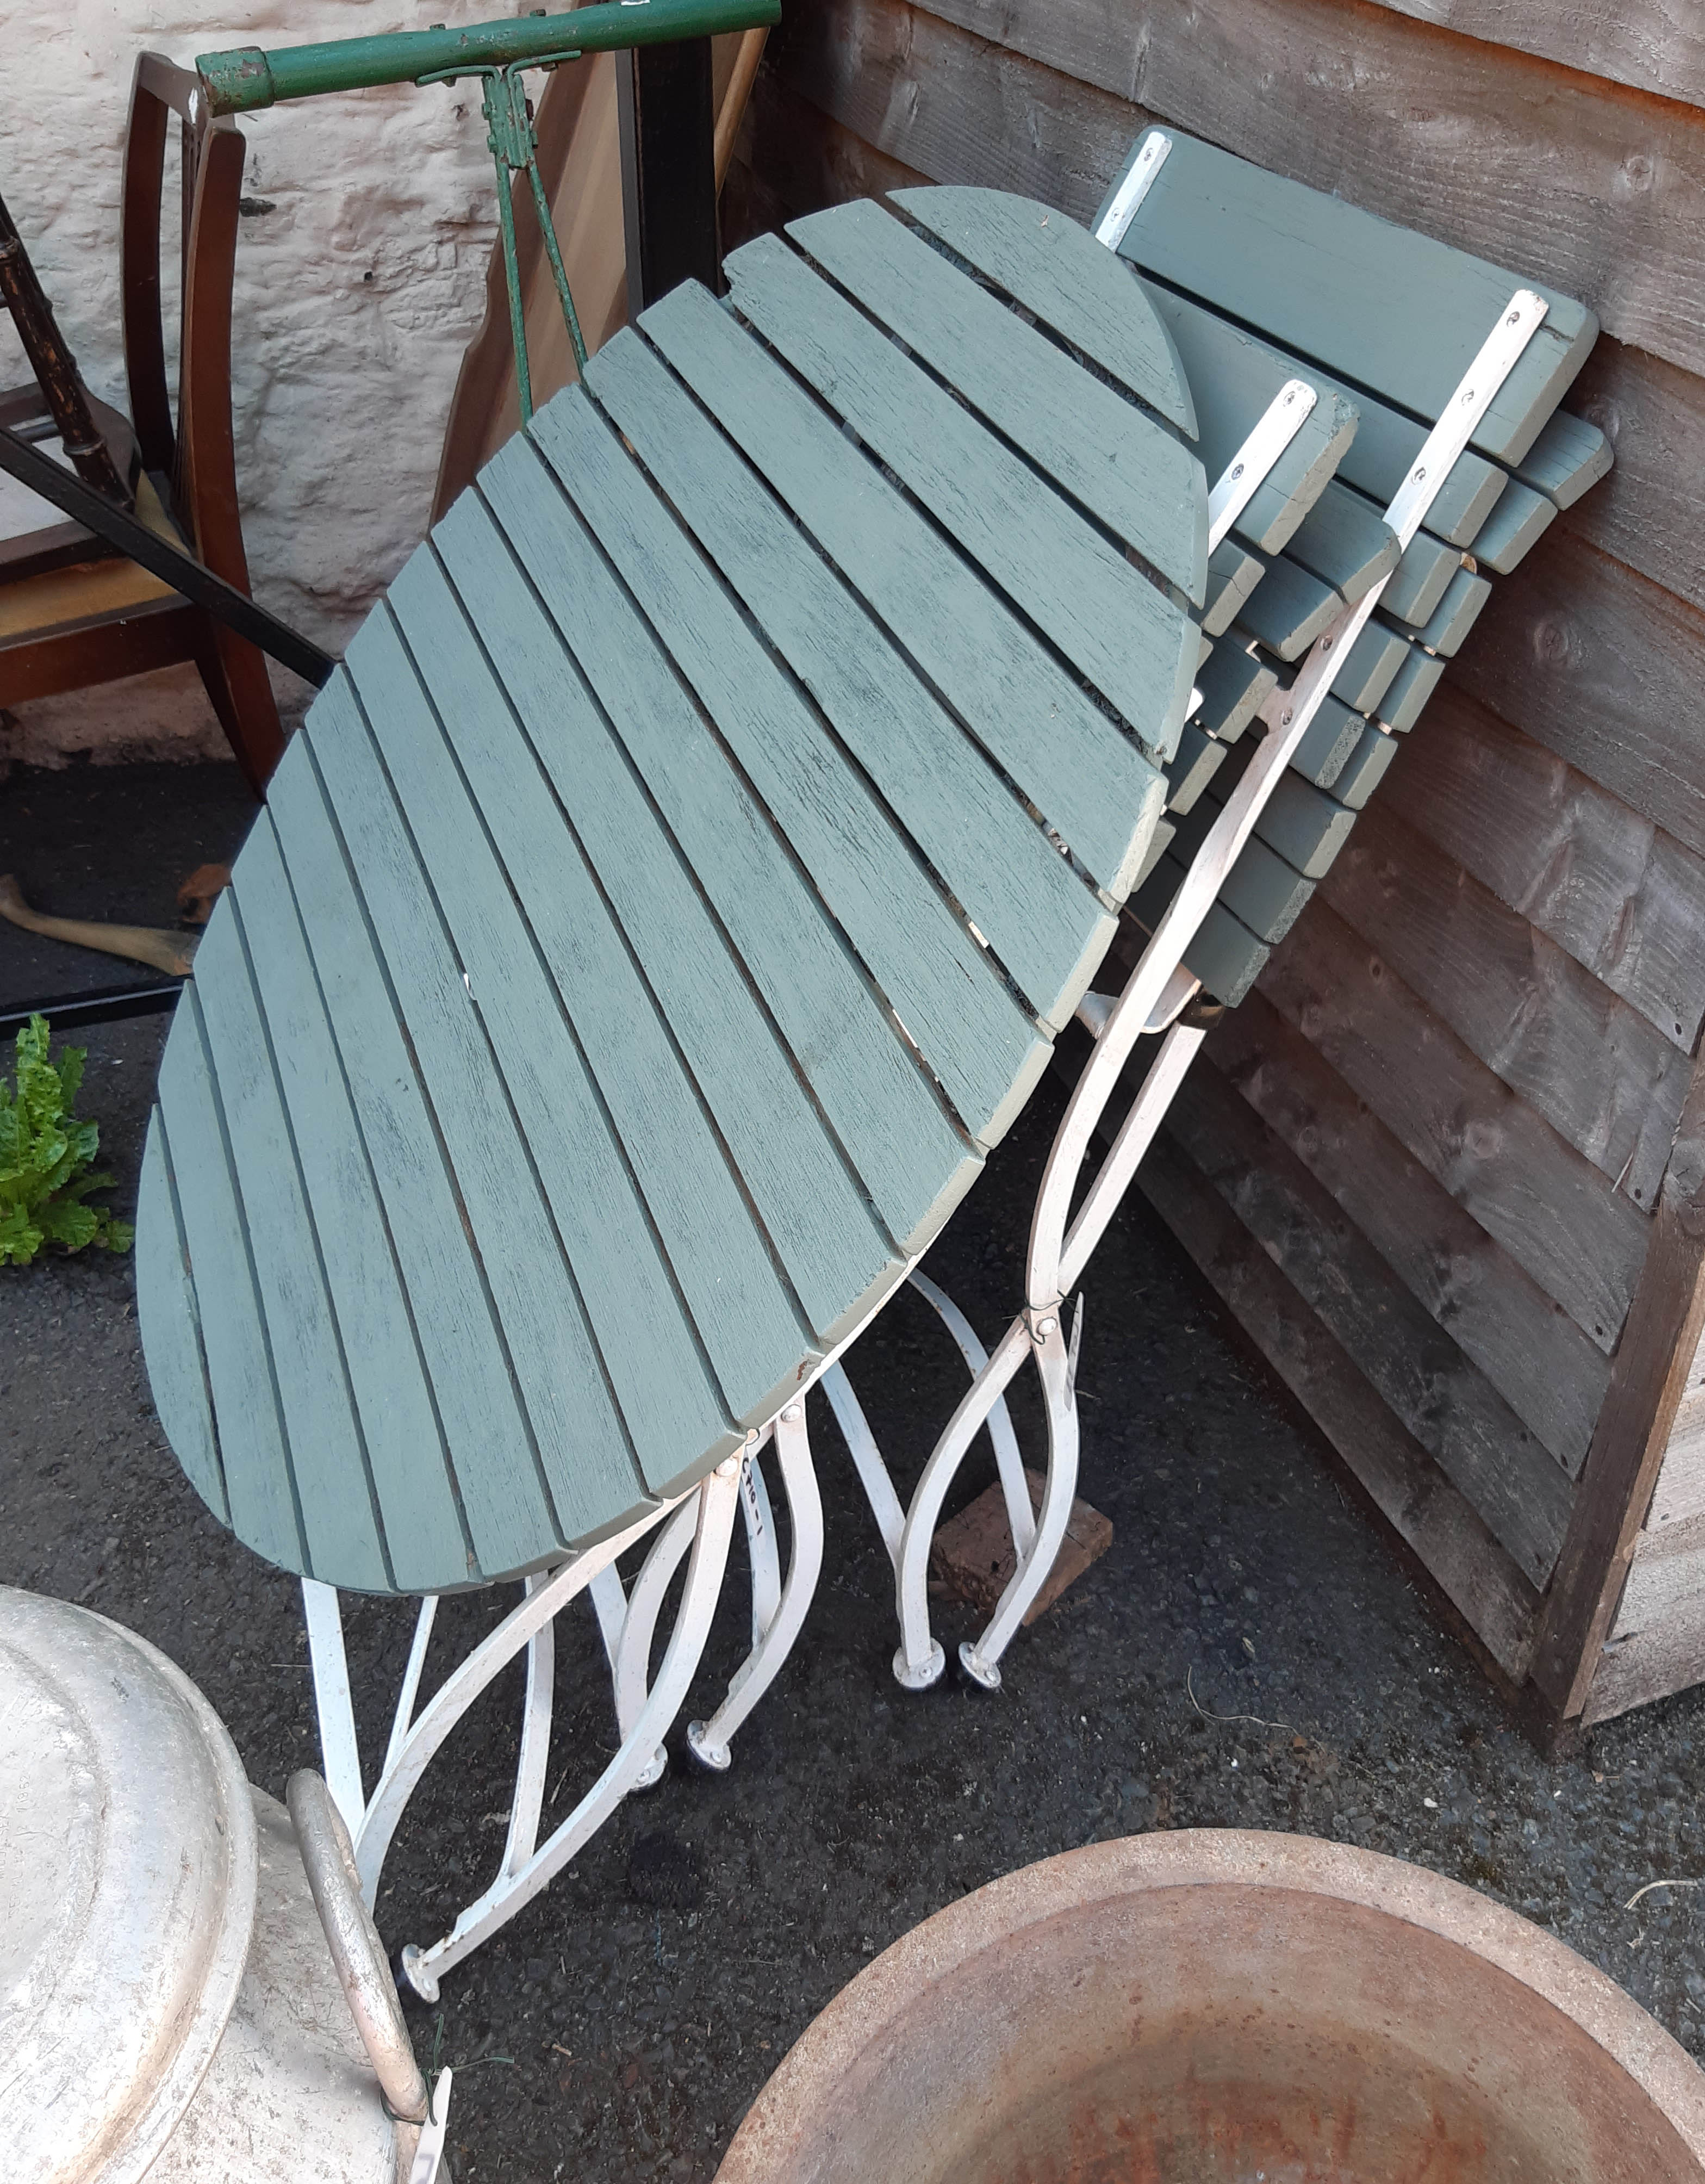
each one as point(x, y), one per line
point(361, 271)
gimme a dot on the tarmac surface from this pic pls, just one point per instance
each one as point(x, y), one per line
point(1253, 1651)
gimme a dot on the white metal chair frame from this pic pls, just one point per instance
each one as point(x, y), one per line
point(699, 1525)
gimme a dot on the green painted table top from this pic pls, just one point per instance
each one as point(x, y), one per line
point(674, 895)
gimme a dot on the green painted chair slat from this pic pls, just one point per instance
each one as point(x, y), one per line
point(1568, 456)
point(170, 1318)
point(1421, 580)
point(1159, 843)
point(1365, 768)
point(1375, 456)
point(577, 1046)
point(403, 1422)
point(1233, 685)
point(1288, 609)
point(1198, 761)
point(1345, 542)
point(915, 1164)
point(944, 988)
point(1224, 954)
point(1386, 307)
point(1233, 573)
point(1236, 377)
point(1134, 646)
point(327, 1452)
point(803, 1188)
point(1300, 823)
point(1327, 743)
point(1144, 484)
point(1412, 684)
point(1518, 523)
point(260, 1489)
point(1370, 666)
point(1455, 615)
point(1072, 283)
point(1089, 782)
point(1043, 923)
point(1262, 889)
point(451, 1239)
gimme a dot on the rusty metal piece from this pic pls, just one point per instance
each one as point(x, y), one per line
point(1214, 2005)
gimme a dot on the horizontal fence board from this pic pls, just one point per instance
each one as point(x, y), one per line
point(1602, 1076)
point(1528, 1346)
point(1598, 877)
point(1654, 45)
point(1657, 1645)
point(1579, 1238)
point(1416, 126)
point(1606, 669)
point(1479, 1578)
point(1645, 512)
point(1450, 1407)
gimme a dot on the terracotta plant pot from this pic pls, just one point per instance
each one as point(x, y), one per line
point(1209, 2006)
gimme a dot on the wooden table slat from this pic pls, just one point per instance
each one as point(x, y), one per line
point(170, 1318)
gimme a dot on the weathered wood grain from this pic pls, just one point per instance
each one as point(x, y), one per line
point(986, 1052)
point(865, 1075)
point(1533, 1353)
point(1056, 269)
point(403, 1421)
point(1365, 768)
point(1073, 763)
point(1472, 1570)
point(1647, 1382)
point(1603, 668)
point(1123, 465)
point(957, 93)
point(1385, 305)
point(1579, 1237)
point(1045, 923)
point(1658, 1653)
point(691, 1330)
point(169, 1321)
point(1599, 1071)
point(1604, 883)
point(1451, 1409)
point(1646, 511)
point(1654, 44)
point(255, 1455)
point(327, 1451)
point(1133, 645)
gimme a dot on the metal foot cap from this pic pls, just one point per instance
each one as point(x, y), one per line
point(717, 1757)
point(417, 1972)
point(985, 1673)
point(927, 1673)
point(654, 1770)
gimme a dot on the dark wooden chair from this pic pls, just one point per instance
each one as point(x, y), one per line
point(68, 622)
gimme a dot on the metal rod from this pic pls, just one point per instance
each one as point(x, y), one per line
point(246, 79)
point(72, 497)
point(104, 1004)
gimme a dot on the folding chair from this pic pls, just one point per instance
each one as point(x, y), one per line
point(1306, 565)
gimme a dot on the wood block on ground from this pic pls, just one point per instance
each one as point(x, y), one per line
point(972, 1560)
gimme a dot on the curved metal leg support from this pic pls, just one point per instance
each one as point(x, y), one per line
point(715, 1511)
point(632, 1671)
point(980, 1657)
point(709, 1741)
point(919, 1660)
point(867, 1458)
point(1014, 1487)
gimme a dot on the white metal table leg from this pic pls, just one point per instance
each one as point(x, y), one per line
point(714, 1501)
point(867, 1458)
point(639, 1627)
point(333, 1706)
point(1014, 1486)
point(764, 1556)
point(709, 1741)
point(535, 1741)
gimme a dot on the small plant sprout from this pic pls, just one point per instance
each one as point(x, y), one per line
point(45, 1155)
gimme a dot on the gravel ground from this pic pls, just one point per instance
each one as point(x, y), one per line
point(1252, 1652)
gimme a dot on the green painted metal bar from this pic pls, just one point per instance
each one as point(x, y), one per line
point(244, 80)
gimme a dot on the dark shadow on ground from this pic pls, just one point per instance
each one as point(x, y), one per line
point(1251, 1652)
